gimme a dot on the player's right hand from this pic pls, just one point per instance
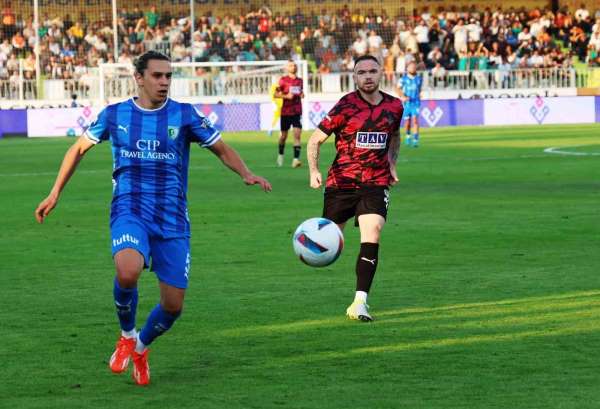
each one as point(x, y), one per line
point(393, 175)
point(45, 207)
point(316, 180)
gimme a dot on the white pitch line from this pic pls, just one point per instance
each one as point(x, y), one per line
point(558, 150)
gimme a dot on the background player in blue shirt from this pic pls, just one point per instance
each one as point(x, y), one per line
point(409, 91)
point(151, 137)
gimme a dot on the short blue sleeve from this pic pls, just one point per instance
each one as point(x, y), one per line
point(98, 129)
point(202, 130)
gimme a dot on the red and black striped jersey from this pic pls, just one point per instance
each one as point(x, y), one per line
point(294, 85)
point(362, 137)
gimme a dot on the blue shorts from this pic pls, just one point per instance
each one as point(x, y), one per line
point(170, 258)
point(411, 109)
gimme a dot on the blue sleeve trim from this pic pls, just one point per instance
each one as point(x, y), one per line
point(212, 140)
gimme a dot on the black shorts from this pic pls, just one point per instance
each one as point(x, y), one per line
point(288, 121)
point(341, 204)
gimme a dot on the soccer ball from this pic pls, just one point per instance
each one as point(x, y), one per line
point(318, 242)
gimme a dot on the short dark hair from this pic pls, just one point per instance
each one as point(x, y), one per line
point(365, 58)
point(141, 63)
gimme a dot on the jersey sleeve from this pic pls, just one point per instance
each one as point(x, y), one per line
point(98, 129)
point(202, 130)
point(400, 83)
point(334, 120)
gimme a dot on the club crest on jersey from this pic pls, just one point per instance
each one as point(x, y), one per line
point(371, 140)
point(173, 132)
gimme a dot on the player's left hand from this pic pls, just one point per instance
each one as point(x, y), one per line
point(257, 180)
point(45, 207)
point(394, 175)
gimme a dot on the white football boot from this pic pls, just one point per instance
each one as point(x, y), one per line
point(359, 310)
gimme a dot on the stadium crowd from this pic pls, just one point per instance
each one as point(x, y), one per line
point(438, 41)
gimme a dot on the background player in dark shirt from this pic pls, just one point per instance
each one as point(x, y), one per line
point(290, 89)
point(367, 141)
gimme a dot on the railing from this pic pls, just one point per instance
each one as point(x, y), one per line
point(220, 83)
point(460, 80)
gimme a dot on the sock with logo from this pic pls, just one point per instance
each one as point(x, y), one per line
point(126, 300)
point(416, 136)
point(366, 264)
point(159, 321)
point(281, 148)
point(297, 152)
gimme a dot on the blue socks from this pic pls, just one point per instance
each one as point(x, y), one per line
point(158, 322)
point(126, 300)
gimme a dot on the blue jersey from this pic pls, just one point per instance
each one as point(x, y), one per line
point(151, 150)
point(411, 87)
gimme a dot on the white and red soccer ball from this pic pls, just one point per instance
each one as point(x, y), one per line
point(318, 242)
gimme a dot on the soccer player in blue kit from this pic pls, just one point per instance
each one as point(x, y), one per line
point(409, 91)
point(151, 136)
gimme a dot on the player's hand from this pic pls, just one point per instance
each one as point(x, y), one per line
point(45, 207)
point(316, 180)
point(257, 180)
point(393, 175)
point(404, 98)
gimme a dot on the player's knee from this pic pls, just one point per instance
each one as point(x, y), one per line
point(129, 264)
point(173, 307)
point(372, 233)
point(127, 278)
point(128, 274)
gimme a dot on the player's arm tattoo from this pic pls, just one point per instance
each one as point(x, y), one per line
point(394, 148)
point(313, 149)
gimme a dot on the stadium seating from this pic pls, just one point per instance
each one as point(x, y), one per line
point(440, 42)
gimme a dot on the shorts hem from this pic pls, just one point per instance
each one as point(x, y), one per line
point(123, 247)
point(172, 283)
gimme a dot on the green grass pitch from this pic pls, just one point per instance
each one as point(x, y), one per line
point(487, 293)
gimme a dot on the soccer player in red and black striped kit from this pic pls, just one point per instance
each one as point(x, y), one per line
point(367, 141)
point(290, 88)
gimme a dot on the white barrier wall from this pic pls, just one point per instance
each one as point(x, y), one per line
point(59, 121)
point(537, 111)
point(434, 113)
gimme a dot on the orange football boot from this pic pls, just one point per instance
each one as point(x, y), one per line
point(120, 358)
point(141, 369)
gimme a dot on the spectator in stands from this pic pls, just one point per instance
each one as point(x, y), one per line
point(5, 47)
point(9, 21)
point(125, 57)
point(582, 13)
point(421, 32)
point(461, 34)
point(151, 17)
point(439, 75)
point(323, 37)
point(359, 47)
point(19, 44)
point(578, 41)
point(12, 64)
point(434, 57)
